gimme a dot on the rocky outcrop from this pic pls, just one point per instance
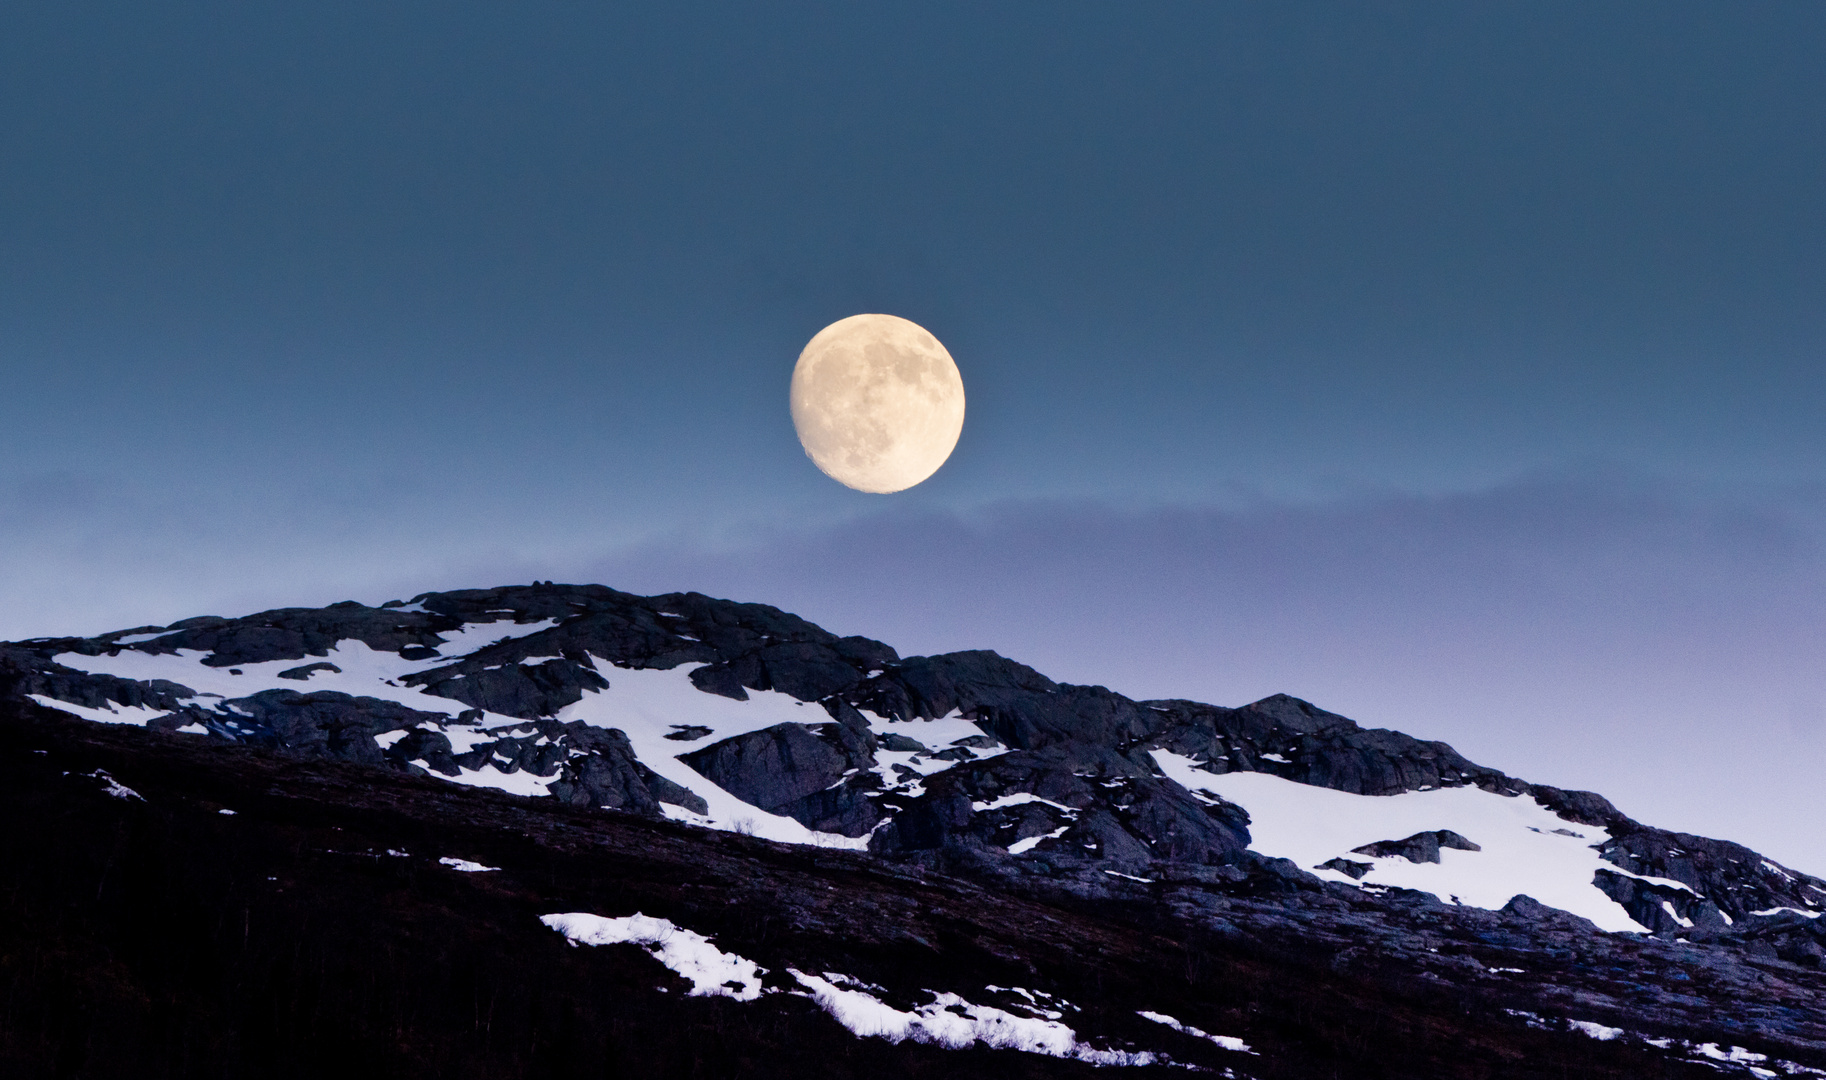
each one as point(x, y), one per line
point(1297, 741)
point(1422, 847)
point(1070, 806)
point(790, 769)
point(323, 724)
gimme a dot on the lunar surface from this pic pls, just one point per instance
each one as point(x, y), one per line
point(877, 402)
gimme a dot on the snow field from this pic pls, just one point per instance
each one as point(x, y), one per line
point(1522, 853)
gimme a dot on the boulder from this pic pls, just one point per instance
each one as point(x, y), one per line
point(1422, 847)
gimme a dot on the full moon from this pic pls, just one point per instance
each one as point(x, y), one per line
point(877, 402)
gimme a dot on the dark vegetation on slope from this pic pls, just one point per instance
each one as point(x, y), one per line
point(157, 937)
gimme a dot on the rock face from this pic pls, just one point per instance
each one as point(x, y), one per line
point(964, 759)
point(782, 770)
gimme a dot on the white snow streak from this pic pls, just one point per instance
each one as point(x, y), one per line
point(137, 715)
point(710, 970)
point(1020, 798)
point(1228, 1042)
point(1797, 911)
point(1022, 847)
point(954, 1023)
point(464, 865)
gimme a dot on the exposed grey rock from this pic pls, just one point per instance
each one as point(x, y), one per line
point(1422, 847)
point(1113, 808)
point(896, 741)
point(786, 769)
point(771, 767)
point(610, 776)
point(516, 689)
point(1661, 908)
point(721, 679)
point(304, 672)
point(321, 724)
point(1523, 906)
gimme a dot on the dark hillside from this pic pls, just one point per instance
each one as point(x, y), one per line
point(149, 934)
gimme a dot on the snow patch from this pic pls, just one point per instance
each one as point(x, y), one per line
point(1521, 852)
point(1797, 911)
point(464, 865)
point(1228, 1042)
point(113, 787)
point(488, 776)
point(1022, 847)
point(479, 635)
point(710, 970)
point(954, 1023)
point(137, 715)
point(1131, 877)
point(1020, 798)
point(1652, 880)
point(1704, 1053)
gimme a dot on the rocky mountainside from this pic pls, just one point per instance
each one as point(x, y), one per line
point(1273, 834)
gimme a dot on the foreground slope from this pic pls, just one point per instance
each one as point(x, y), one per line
point(1367, 854)
point(183, 908)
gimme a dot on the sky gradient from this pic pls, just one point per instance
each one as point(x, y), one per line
point(1457, 368)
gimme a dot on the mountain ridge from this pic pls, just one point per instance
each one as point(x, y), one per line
point(1053, 730)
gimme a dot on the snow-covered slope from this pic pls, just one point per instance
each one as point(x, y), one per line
point(743, 718)
point(1522, 848)
point(662, 714)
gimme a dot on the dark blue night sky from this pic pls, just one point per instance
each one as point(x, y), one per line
point(1458, 367)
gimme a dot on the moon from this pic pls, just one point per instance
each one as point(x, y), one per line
point(877, 402)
